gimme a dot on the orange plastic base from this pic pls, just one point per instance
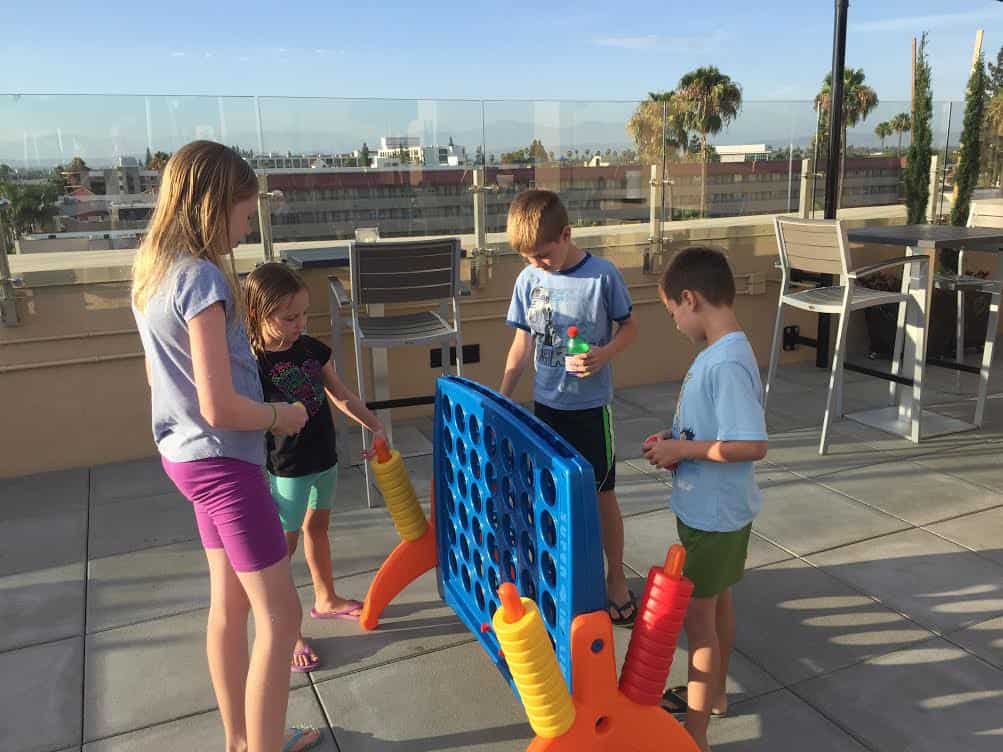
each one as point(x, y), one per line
point(406, 563)
point(605, 719)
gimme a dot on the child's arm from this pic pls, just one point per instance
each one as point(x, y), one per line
point(669, 452)
point(599, 355)
point(220, 404)
point(349, 402)
point(518, 358)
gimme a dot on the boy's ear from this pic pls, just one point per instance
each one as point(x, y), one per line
point(566, 233)
point(690, 298)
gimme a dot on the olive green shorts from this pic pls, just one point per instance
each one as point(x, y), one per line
point(714, 561)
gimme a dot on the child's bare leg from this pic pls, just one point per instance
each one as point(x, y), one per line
point(226, 646)
point(725, 619)
point(704, 664)
point(611, 523)
point(317, 548)
point(300, 658)
point(277, 617)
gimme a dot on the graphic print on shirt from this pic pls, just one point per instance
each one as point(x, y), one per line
point(549, 343)
point(677, 431)
point(300, 384)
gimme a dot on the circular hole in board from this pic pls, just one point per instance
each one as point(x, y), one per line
point(549, 569)
point(493, 579)
point(458, 415)
point(475, 497)
point(447, 438)
point(447, 497)
point(479, 594)
point(464, 547)
point(526, 469)
point(475, 528)
point(491, 513)
point(475, 429)
point(547, 528)
point(451, 534)
point(490, 441)
point(478, 563)
point(461, 451)
point(508, 494)
point(526, 508)
point(475, 464)
point(493, 549)
point(461, 483)
point(509, 529)
point(465, 576)
point(452, 562)
point(512, 567)
point(461, 512)
point(491, 475)
point(528, 550)
point(508, 454)
point(547, 487)
point(549, 609)
point(447, 408)
point(527, 585)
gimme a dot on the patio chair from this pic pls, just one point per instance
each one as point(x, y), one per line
point(980, 214)
point(819, 246)
point(400, 272)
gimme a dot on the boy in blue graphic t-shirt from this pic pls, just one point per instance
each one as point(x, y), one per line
point(564, 287)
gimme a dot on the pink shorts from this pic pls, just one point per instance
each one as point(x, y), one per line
point(234, 509)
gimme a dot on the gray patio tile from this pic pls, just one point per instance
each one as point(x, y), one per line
point(649, 536)
point(205, 731)
point(932, 696)
point(133, 524)
point(148, 673)
point(630, 435)
point(129, 480)
point(797, 450)
point(361, 540)
point(984, 639)
point(778, 721)
point(146, 584)
point(415, 705)
point(938, 584)
point(416, 622)
point(911, 491)
point(796, 622)
point(638, 491)
point(803, 516)
point(979, 532)
point(979, 464)
point(42, 605)
point(51, 507)
point(658, 400)
point(40, 696)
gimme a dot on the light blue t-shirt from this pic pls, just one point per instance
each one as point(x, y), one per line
point(721, 400)
point(180, 431)
point(590, 295)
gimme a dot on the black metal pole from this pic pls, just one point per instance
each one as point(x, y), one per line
point(832, 162)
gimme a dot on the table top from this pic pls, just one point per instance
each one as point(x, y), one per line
point(931, 237)
point(328, 257)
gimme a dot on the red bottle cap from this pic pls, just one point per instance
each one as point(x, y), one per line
point(572, 331)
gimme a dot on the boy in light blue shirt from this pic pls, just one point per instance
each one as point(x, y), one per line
point(718, 432)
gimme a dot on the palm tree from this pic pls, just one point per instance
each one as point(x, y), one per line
point(883, 131)
point(858, 101)
point(646, 127)
point(901, 123)
point(706, 101)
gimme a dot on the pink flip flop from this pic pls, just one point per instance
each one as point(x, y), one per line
point(311, 666)
point(341, 613)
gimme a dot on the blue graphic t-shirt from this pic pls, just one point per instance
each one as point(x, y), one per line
point(590, 295)
point(721, 400)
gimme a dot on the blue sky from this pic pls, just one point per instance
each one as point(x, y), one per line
point(589, 51)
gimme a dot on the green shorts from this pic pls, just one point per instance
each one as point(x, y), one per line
point(294, 495)
point(714, 561)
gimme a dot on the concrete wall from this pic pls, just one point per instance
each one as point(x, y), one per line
point(73, 391)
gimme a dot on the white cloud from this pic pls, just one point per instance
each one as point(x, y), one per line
point(923, 23)
point(628, 43)
point(710, 41)
point(177, 54)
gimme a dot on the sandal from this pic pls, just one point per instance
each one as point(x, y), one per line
point(310, 665)
point(674, 701)
point(301, 734)
point(621, 619)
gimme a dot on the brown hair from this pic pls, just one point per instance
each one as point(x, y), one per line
point(534, 218)
point(202, 183)
point(703, 270)
point(264, 290)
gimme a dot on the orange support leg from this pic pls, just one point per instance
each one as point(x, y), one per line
point(406, 563)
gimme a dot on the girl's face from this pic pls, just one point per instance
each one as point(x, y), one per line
point(288, 321)
point(240, 219)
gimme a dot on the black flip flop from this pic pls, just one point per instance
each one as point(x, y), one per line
point(674, 701)
point(630, 605)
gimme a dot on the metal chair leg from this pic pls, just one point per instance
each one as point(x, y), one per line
point(778, 331)
point(987, 352)
point(835, 375)
point(360, 376)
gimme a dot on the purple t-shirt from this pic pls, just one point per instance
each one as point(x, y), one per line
point(180, 431)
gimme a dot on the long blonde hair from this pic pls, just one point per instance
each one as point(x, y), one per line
point(201, 184)
point(265, 289)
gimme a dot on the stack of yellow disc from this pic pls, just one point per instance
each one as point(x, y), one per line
point(531, 660)
point(398, 494)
